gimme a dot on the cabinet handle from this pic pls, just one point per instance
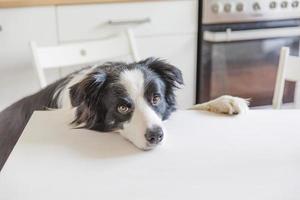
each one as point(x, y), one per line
point(129, 22)
point(0, 28)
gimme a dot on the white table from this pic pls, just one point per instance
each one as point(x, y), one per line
point(206, 156)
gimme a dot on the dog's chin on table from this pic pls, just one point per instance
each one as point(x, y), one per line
point(131, 99)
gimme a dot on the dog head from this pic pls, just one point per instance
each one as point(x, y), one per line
point(132, 99)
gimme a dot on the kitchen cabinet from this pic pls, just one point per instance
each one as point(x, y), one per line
point(164, 29)
point(86, 22)
point(18, 27)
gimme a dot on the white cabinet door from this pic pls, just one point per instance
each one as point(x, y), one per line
point(180, 51)
point(19, 26)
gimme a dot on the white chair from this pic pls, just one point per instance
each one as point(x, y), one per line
point(288, 69)
point(83, 53)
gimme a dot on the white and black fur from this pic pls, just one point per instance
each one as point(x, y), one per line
point(96, 94)
point(99, 94)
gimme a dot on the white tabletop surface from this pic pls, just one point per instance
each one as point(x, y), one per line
point(205, 157)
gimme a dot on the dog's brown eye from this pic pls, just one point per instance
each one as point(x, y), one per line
point(123, 109)
point(155, 99)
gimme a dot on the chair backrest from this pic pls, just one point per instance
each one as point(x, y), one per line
point(82, 53)
point(288, 69)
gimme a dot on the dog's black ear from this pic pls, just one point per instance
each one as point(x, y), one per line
point(88, 89)
point(172, 78)
point(170, 74)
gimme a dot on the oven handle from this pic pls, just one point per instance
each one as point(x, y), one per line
point(244, 35)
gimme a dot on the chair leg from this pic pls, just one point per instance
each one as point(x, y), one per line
point(133, 46)
point(39, 70)
point(280, 80)
point(42, 77)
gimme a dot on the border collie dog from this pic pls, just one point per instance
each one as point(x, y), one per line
point(132, 99)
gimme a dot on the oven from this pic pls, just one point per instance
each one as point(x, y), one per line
point(239, 47)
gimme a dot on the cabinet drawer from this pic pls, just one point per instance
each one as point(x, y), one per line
point(146, 18)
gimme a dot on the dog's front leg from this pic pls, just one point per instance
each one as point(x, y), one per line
point(225, 104)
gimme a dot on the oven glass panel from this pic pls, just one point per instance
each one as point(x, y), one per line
point(248, 69)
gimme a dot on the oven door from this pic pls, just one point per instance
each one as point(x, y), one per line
point(244, 63)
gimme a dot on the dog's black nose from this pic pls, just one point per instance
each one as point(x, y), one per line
point(154, 135)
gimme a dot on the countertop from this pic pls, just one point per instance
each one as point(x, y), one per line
point(26, 3)
point(205, 156)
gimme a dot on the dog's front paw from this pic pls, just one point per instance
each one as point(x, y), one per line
point(225, 104)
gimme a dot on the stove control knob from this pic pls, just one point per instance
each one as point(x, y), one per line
point(227, 7)
point(216, 8)
point(295, 4)
point(240, 7)
point(256, 6)
point(273, 5)
point(284, 4)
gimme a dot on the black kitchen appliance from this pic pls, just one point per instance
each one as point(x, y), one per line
point(239, 44)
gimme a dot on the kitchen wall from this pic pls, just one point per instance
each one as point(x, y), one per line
point(171, 34)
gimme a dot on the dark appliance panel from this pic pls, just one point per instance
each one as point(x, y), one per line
point(241, 59)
